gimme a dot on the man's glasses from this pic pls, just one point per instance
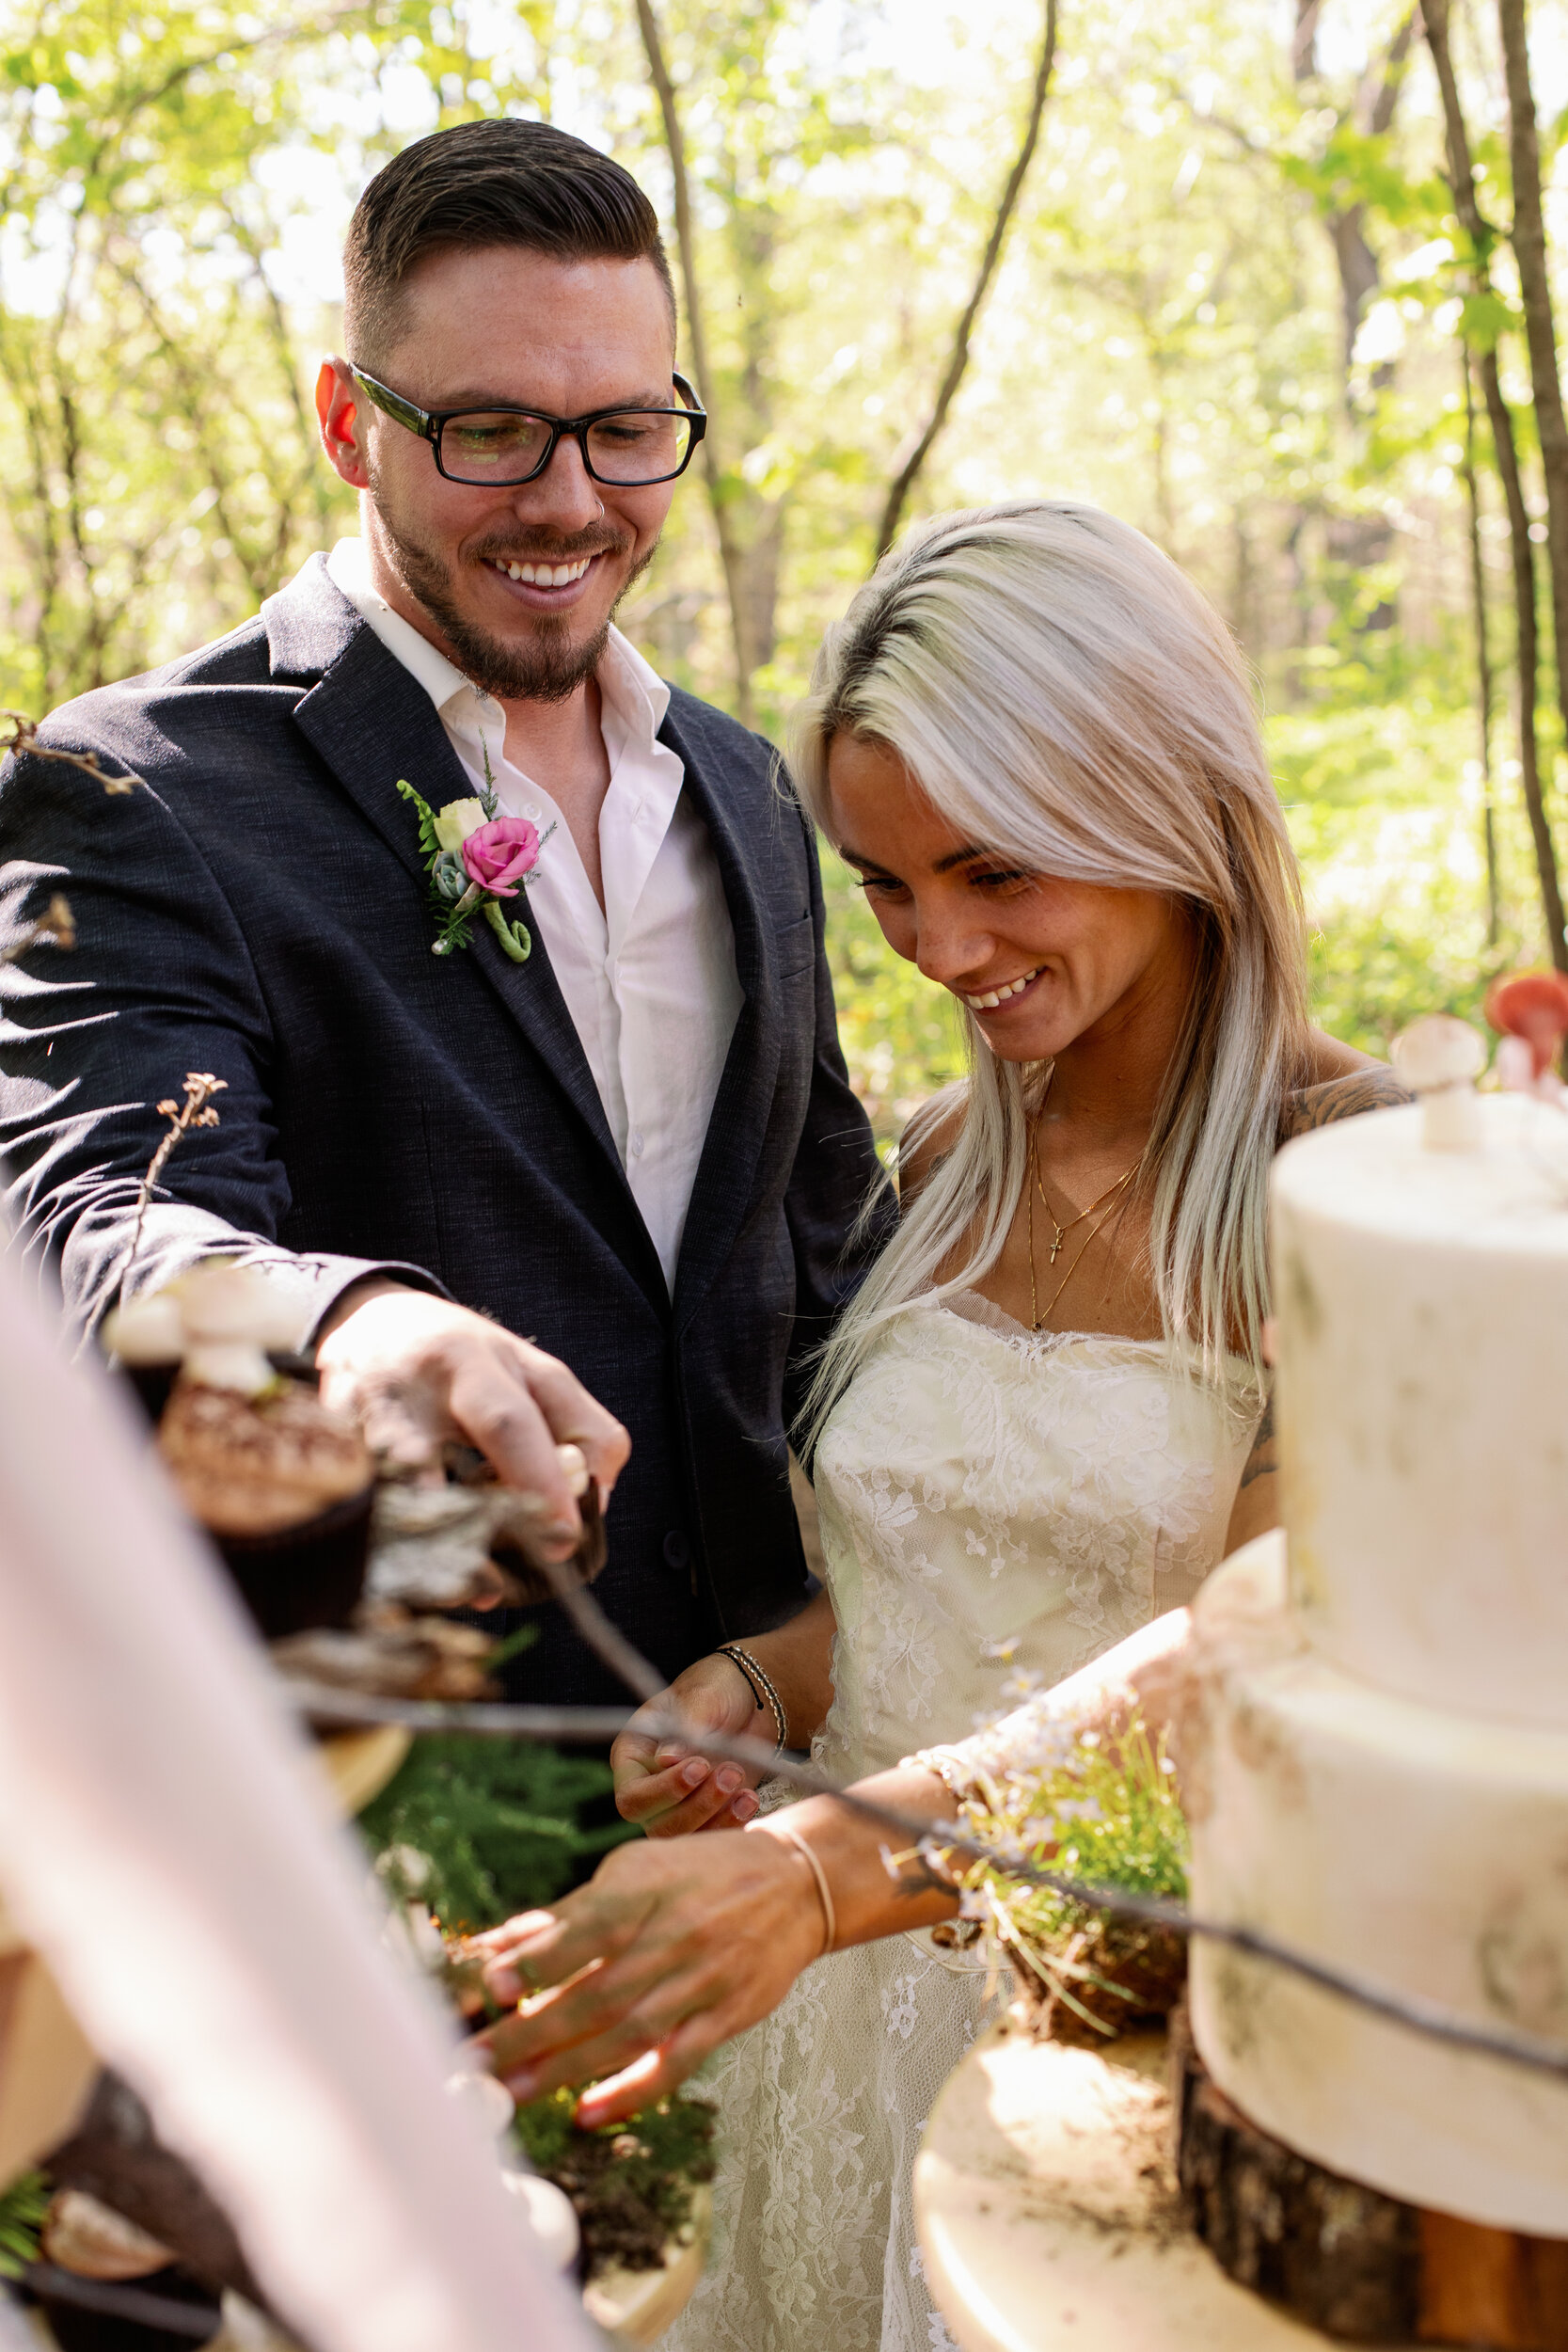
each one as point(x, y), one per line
point(498, 448)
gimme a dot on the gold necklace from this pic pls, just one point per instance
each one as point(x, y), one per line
point(1036, 1318)
point(1060, 1231)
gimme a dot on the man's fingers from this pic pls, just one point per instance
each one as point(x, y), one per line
point(492, 1406)
point(594, 2030)
point(576, 1418)
point(653, 2075)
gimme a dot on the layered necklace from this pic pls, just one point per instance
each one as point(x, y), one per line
point(1104, 1204)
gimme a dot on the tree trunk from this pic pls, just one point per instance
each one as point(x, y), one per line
point(1483, 651)
point(898, 497)
point(1481, 238)
point(1528, 237)
point(730, 554)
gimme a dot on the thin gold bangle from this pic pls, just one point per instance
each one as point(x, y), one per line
point(830, 1918)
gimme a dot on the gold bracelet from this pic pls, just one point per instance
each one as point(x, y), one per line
point(830, 1918)
point(762, 1689)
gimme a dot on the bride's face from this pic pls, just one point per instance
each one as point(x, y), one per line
point(1042, 963)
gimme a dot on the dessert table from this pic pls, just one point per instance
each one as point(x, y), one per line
point(1049, 2215)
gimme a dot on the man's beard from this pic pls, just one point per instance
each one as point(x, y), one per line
point(550, 666)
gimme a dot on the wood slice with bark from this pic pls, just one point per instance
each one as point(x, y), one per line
point(1360, 2266)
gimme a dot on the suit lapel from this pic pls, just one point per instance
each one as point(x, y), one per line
point(372, 723)
point(726, 1172)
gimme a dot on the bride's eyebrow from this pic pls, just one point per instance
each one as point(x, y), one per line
point(943, 866)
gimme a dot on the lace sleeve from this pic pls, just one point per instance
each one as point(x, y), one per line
point(1033, 1738)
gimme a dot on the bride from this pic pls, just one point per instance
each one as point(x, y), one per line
point(1038, 1425)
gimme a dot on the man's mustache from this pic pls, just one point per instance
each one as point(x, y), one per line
point(555, 552)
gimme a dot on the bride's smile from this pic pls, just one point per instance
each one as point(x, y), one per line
point(1043, 962)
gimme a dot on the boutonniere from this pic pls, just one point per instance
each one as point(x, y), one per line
point(476, 858)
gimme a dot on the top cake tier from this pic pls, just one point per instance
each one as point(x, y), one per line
point(1422, 1304)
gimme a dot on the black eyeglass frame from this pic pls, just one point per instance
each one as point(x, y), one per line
point(429, 423)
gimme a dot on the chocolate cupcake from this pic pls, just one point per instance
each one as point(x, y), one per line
point(284, 1489)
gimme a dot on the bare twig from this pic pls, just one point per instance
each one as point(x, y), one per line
point(199, 1089)
point(898, 497)
point(56, 924)
point(22, 741)
point(591, 1725)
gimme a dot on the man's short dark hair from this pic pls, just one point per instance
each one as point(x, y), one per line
point(506, 182)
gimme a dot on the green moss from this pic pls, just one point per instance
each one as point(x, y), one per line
point(631, 2183)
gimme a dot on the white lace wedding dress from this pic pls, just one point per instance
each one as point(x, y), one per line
point(998, 1507)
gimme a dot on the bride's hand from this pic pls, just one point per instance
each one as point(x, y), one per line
point(636, 1977)
point(663, 1784)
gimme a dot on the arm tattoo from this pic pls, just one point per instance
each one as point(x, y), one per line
point(1263, 1460)
point(1341, 1098)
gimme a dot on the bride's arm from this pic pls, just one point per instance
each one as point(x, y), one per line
point(671, 1791)
point(669, 1950)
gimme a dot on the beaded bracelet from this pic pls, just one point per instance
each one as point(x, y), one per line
point(762, 1689)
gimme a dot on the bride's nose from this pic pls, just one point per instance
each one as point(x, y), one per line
point(951, 947)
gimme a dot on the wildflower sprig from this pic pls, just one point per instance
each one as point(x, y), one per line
point(1105, 1813)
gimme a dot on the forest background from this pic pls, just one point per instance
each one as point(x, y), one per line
point(1238, 290)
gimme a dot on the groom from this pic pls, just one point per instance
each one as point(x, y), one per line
point(605, 1193)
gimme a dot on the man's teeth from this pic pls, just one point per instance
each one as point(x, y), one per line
point(998, 995)
point(545, 575)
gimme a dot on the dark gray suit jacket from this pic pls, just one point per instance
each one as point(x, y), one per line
point(260, 912)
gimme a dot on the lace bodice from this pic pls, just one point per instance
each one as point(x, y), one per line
point(999, 1506)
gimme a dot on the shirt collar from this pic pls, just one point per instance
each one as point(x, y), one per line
point(632, 689)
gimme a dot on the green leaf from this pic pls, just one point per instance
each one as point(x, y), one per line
point(427, 820)
point(22, 2207)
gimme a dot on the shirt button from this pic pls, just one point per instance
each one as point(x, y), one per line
point(532, 811)
point(677, 1549)
point(635, 1139)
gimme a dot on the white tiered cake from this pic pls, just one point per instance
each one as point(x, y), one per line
point(1378, 1771)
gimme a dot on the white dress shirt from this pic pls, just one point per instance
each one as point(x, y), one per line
point(649, 979)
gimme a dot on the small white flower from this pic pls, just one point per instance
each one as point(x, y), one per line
point(457, 820)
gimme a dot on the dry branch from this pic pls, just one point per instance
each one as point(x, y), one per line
point(898, 497)
point(199, 1089)
point(22, 741)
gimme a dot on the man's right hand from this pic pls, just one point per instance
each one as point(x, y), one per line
point(417, 1371)
point(663, 1784)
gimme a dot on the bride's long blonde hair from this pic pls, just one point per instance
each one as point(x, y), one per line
point(1065, 697)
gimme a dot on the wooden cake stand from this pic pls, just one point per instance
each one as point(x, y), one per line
point(1049, 2215)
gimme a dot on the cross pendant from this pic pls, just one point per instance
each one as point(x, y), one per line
point(1056, 1245)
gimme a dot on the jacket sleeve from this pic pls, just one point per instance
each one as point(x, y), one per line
point(840, 1205)
point(159, 983)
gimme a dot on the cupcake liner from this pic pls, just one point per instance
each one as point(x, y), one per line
point(78, 2329)
point(300, 1577)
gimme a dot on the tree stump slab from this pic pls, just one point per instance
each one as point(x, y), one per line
point(1360, 2266)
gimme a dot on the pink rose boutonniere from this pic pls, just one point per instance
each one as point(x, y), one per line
point(476, 858)
point(501, 855)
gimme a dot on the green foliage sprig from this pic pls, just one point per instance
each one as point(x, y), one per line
point(1108, 1815)
point(22, 2207)
point(497, 1825)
